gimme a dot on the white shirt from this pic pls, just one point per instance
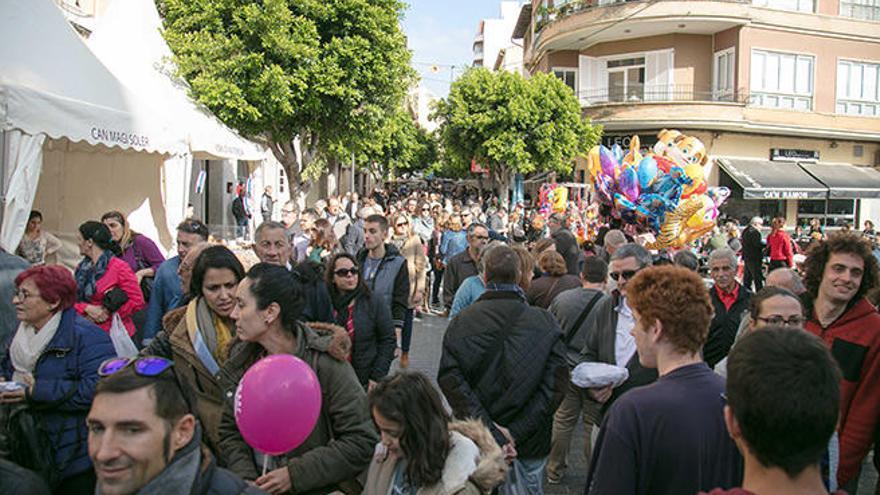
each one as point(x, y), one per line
point(624, 342)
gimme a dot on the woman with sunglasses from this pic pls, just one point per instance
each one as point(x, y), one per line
point(365, 318)
point(413, 251)
point(54, 357)
point(269, 303)
point(197, 337)
point(105, 283)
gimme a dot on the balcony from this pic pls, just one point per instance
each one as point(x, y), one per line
point(736, 110)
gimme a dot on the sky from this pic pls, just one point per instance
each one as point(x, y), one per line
point(441, 32)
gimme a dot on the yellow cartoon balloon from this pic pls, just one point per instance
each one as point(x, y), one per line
point(559, 200)
point(593, 161)
point(694, 171)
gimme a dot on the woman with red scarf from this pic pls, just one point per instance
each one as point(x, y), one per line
point(780, 246)
point(366, 318)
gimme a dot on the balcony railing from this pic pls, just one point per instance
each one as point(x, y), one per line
point(661, 93)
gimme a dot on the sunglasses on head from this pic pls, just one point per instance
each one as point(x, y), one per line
point(143, 366)
point(626, 274)
point(345, 272)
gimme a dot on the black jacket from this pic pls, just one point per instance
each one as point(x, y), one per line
point(460, 267)
point(725, 324)
point(752, 247)
point(318, 306)
point(16, 479)
point(504, 362)
point(374, 342)
point(567, 246)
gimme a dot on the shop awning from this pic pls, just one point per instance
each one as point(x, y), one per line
point(765, 179)
point(845, 181)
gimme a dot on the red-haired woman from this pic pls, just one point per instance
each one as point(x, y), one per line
point(54, 357)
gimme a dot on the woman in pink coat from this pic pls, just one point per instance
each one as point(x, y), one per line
point(105, 283)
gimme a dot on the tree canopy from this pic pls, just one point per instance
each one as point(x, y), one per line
point(510, 124)
point(319, 71)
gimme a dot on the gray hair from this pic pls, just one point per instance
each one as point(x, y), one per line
point(756, 221)
point(474, 226)
point(615, 238)
point(724, 253)
point(791, 281)
point(631, 250)
point(687, 259)
point(268, 225)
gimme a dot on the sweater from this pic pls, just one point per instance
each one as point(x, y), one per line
point(854, 340)
point(779, 244)
point(666, 438)
point(119, 275)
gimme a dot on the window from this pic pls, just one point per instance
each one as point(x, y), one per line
point(567, 75)
point(858, 88)
point(626, 79)
point(781, 80)
point(794, 5)
point(722, 79)
point(861, 9)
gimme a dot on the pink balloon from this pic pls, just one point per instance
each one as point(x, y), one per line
point(277, 404)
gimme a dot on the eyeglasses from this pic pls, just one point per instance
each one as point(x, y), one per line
point(22, 294)
point(776, 320)
point(342, 272)
point(402, 224)
point(143, 366)
point(626, 274)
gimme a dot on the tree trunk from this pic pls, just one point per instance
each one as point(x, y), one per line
point(503, 177)
point(295, 163)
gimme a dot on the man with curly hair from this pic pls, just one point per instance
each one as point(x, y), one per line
point(668, 437)
point(839, 273)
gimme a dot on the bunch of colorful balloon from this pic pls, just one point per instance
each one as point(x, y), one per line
point(553, 199)
point(663, 191)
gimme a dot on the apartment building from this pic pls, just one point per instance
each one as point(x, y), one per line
point(785, 94)
point(493, 35)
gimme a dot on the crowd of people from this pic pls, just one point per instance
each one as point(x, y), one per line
point(746, 364)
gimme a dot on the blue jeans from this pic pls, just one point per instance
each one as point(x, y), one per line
point(531, 472)
point(406, 333)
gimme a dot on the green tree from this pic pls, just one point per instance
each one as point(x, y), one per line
point(280, 71)
point(512, 125)
point(395, 144)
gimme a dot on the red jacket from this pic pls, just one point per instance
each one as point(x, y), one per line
point(779, 244)
point(854, 339)
point(118, 274)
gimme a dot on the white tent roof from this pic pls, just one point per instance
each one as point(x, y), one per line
point(51, 83)
point(128, 39)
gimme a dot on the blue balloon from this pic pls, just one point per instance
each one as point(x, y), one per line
point(617, 151)
point(647, 171)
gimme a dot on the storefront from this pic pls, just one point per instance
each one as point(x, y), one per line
point(797, 190)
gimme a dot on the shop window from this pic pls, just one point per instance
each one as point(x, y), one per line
point(781, 80)
point(858, 88)
point(839, 213)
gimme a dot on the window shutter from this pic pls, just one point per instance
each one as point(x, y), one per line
point(592, 80)
point(658, 75)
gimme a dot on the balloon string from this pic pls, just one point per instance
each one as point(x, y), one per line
point(265, 463)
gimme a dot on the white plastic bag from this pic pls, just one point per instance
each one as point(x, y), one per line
point(121, 341)
point(597, 375)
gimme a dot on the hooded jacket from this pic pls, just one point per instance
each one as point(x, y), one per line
point(174, 344)
point(854, 340)
point(341, 443)
point(474, 464)
point(391, 281)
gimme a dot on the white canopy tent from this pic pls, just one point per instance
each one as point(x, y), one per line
point(128, 40)
point(56, 97)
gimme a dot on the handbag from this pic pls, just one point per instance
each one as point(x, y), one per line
point(122, 342)
point(517, 482)
point(30, 446)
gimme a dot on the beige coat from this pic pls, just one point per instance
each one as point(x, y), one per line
point(474, 465)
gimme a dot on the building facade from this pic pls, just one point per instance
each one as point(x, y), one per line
point(785, 94)
point(493, 35)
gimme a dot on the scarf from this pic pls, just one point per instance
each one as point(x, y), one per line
point(88, 273)
point(28, 344)
point(210, 337)
point(508, 288)
point(342, 300)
